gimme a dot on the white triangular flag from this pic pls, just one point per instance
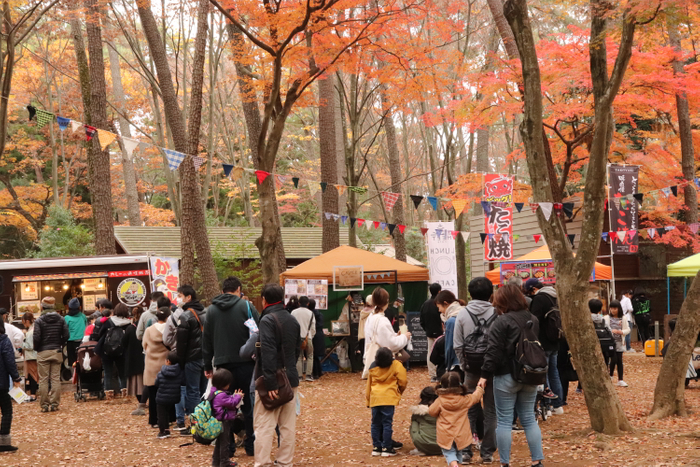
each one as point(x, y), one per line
point(313, 188)
point(75, 126)
point(465, 236)
point(368, 225)
point(621, 234)
point(546, 210)
point(129, 145)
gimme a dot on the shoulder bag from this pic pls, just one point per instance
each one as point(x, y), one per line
point(305, 342)
point(372, 349)
point(284, 389)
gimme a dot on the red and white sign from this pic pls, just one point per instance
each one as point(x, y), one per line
point(499, 221)
point(141, 272)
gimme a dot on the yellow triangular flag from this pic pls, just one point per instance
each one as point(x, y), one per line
point(341, 189)
point(313, 188)
point(459, 205)
point(236, 173)
point(106, 138)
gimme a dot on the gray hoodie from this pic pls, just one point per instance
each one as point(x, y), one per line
point(549, 290)
point(465, 325)
point(147, 318)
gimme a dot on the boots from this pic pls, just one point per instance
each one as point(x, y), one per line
point(140, 410)
point(109, 395)
point(6, 444)
point(124, 393)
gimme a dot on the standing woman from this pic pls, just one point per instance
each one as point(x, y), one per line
point(319, 340)
point(112, 354)
point(449, 307)
point(133, 357)
point(30, 369)
point(8, 369)
point(510, 395)
point(379, 331)
point(156, 355)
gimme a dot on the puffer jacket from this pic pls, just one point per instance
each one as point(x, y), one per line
point(543, 301)
point(270, 355)
point(503, 337)
point(189, 333)
point(224, 406)
point(168, 382)
point(424, 431)
point(385, 385)
point(8, 367)
point(50, 332)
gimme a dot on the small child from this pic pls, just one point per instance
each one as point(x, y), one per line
point(168, 382)
point(423, 426)
point(450, 409)
point(386, 382)
point(224, 407)
point(620, 328)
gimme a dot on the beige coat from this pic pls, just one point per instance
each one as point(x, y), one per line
point(451, 409)
point(156, 353)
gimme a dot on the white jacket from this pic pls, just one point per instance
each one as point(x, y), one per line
point(305, 318)
point(378, 329)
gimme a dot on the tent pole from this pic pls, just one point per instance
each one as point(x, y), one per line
point(668, 294)
point(612, 251)
point(685, 287)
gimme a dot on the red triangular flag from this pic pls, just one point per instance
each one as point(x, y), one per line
point(360, 222)
point(262, 175)
point(454, 234)
point(90, 131)
point(376, 224)
point(390, 199)
point(423, 230)
point(631, 234)
point(537, 237)
point(402, 228)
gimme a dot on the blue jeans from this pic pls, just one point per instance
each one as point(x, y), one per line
point(382, 429)
point(453, 454)
point(628, 341)
point(509, 395)
point(553, 380)
point(195, 383)
point(180, 407)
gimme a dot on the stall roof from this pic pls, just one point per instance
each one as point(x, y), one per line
point(41, 263)
point(390, 251)
point(685, 268)
point(232, 242)
point(321, 267)
point(602, 272)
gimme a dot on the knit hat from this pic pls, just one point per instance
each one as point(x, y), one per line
point(73, 304)
point(48, 303)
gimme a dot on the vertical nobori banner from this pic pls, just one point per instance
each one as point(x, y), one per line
point(165, 277)
point(442, 259)
point(624, 213)
point(499, 221)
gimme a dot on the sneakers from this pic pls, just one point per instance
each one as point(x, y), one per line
point(548, 394)
point(396, 444)
point(579, 390)
point(487, 460)
point(434, 379)
point(45, 409)
point(309, 379)
point(388, 452)
point(164, 434)
point(632, 351)
point(622, 384)
point(376, 452)
point(476, 442)
point(416, 452)
point(558, 411)
point(140, 410)
point(549, 413)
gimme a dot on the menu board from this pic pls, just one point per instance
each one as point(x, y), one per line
point(316, 289)
point(30, 290)
point(419, 339)
point(540, 270)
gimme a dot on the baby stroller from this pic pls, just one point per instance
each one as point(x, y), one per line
point(88, 373)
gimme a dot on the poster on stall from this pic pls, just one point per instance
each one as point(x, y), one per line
point(30, 290)
point(624, 215)
point(442, 259)
point(315, 289)
point(165, 276)
point(499, 221)
point(90, 285)
point(540, 270)
point(89, 302)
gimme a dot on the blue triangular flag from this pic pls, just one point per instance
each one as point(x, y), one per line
point(63, 122)
point(433, 202)
point(343, 219)
point(697, 182)
point(227, 169)
point(667, 191)
point(174, 158)
point(487, 207)
point(519, 206)
point(382, 225)
point(605, 236)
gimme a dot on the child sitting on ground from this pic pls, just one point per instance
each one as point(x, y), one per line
point(423, 426)
point(224, 407)
point(386, 382)
point(450, 409)
point(168, 382)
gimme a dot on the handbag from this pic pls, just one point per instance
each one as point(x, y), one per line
point(371, 351)
point(285, 393)
point(402, 355)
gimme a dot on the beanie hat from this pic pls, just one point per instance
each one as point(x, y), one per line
point(48, 303)
point(73, 304)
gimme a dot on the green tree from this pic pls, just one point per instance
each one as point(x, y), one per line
point(62, 237)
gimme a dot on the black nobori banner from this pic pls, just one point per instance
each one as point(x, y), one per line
point(624, 214)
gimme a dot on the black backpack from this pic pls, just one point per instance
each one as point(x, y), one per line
point(530, 363)
point(114, 341)
point(475, 344)
point(607, 341)
point(552, 323)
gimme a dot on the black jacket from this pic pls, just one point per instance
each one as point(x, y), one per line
point(189, 333)
point(225, 332)
point(542, 302)
point(430, 319)
point(133, 353)
point(8, 367)
point(50, 332)
point(437, 356)
point(102, 335)
point(503, 336)
point(168, 382)
point(319, 340)
point(270, 355)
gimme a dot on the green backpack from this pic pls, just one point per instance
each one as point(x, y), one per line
point(205, 427)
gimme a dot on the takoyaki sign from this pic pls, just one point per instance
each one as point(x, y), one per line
point(540, 270)
point(131, 292)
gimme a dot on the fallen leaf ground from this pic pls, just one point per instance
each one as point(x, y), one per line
point(333, 430)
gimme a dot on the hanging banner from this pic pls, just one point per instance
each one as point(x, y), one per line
point(442, 259)
point(623, 180)
point(499, 221)
point(165, 276)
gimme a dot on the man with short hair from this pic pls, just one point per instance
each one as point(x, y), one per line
point(50, 335)
point(307, 327)
point(224, 335)
point(280, 334)
point(628, 311)
point(189, 348)
point(149, 316)
point(431, 322)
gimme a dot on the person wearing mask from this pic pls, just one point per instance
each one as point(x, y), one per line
point(628, 312)
point(379, 331)
point(30, 368)
point(479, 313)
point(319, 340)
point(307, 324)
point(278, 331)
point(544, 299)
point(149, 317)
point(509, 394)
point(110, 348)
point(223, 338)
point(8, 370)
point(189, 349)
point(431, 323)
point(77, 322)
point(156, 356)
point(450, 307)
point(50, 335)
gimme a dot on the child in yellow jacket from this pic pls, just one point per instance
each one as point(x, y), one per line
point(450, 409)
point(386, 382)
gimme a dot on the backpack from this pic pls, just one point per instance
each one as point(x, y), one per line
point(475, 344)
point(552, 323)
point(205, 427)
point(530, 363)
point(114, 341)
point(607, 341)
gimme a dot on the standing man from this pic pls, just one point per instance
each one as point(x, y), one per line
point(50, 335)
point(628, 313)
point(478, 310)
point(149, 317)
point(279, 334)
point(77, 322)
point(223, 338)
point(189, 348)
point(431, 322)
point(307, 328)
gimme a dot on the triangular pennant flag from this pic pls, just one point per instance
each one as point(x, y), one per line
point(63, 122)
point(402, 228)
point(106, 138)
point(546, 210)
point(328, 215)
point(382, 226)
point(376, 224)
point(496, 237)
point(674, 190)
point(352, 221)
point(423, 231)
point(341, 189)
point(623, 203)
point(417, 199)
point(43, 117)
point(296, 182)
point(343, 219)
point(571, 239)
point(130, 144)
point(459, 205)
point(323, 186)
point(281, 179)
point(313, 188)
point(568, 209)
point(670, 227)
point(433, 202)
point(174, 158)
point(454, 233)
point(483, 237)
point(534, 207)
point(536, 238)
point(605, 236)
point(631, 234)
point(660, 232)
point(667, 191)
point(391, 228)
point(237, 173)
point(491, 236)
point(516, 237)
point(335, 217)
point(651, 233)
point(90, 131)
point(368, 225)
point(261, 175)
point(694, 227)
point(697, 182)
point(75, 125)
point(32, 111)
point(227, 169)
point(390, 199)
point(465, 236)
point(360, 190)
point(621, 234)
point(558, 208)
point(487, 207)
point(360, 222)
point(519, 206)
point(639, 197)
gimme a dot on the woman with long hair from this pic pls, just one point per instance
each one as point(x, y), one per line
point(31, 371)
point(449, 308)
point(379, 331)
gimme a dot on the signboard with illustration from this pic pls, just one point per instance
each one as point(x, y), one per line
point(30, 290)
point(315, 289)
point(165, 278)
point(540, 270)
point(131, 292)
point(347, 278)
point(499, 220)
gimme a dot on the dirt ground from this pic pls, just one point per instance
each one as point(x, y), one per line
point(333, 430)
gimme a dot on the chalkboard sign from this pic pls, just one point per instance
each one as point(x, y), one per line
point(418, 337)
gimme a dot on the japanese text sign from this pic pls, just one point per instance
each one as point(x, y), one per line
point(165, 276)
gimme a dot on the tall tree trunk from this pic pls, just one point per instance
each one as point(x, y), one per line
point(130, 183)
point(604, 408)
point(329, 169)
point(395, 172)
point(98, 163)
